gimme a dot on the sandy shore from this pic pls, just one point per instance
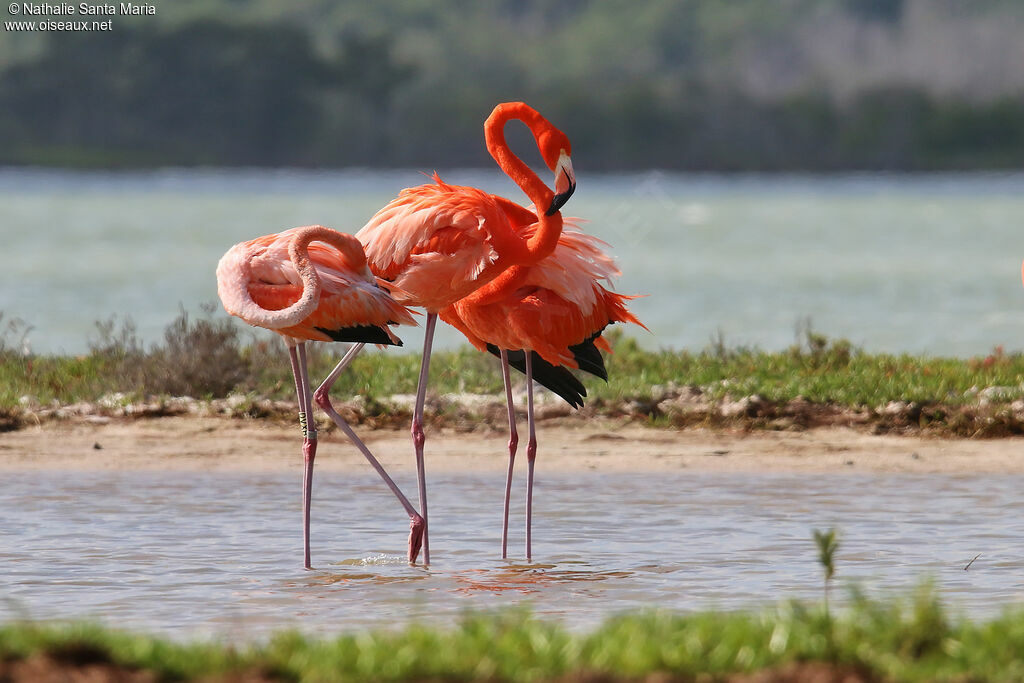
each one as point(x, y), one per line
point(190, 443)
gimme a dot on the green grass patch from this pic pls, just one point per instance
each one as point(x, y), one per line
point(912, 639)
point(818, 370)
point(212, 357)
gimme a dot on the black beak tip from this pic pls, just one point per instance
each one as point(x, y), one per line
point(559, 200)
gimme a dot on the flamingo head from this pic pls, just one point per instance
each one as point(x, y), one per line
point(555, 149)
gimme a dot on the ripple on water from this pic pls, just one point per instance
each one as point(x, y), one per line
point(184, 555)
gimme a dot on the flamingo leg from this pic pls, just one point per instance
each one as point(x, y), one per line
point(293, 356)
point(297, 355)
point(513, 443)
point(309, 443)
point(323, 399)
point(418, 435)
point(531, 455)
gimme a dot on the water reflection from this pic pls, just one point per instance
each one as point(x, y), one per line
point(210, 553)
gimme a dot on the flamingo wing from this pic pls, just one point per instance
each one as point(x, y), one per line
point(352, 307)
point(557, 304)
point(556, 311)
point(434, 241)
point(556, 378)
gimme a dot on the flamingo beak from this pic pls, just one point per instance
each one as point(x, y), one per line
point(565, 183)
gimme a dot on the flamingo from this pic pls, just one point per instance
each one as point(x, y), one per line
point(312, 284)
point(437, 243)
point(545, 318)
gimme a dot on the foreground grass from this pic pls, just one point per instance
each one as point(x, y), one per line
point(211, 358)
point(903, 640)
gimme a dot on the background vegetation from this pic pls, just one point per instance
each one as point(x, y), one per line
point(817, 381)
point(694, 84)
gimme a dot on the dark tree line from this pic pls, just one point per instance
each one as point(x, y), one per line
point(214, 93)
point(202, 93)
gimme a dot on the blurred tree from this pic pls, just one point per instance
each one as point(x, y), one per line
point(202, 92)
point(882, 129)
point(959, 135)
point(701, 84)
point(888, 11)
point(366, 67)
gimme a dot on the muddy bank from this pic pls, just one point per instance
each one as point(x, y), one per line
point(565, 445)
point(672, 407)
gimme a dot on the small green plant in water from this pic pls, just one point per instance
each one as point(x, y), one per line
point(828, 543)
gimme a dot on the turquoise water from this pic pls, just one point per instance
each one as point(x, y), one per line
point(894, 263)
point(220, 554)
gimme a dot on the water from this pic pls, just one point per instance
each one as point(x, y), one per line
point(214, 554)
point(894, 263)
point(924, 264)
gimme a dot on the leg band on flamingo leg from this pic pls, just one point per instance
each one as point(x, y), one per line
point(293, 357)
point(298, 358)
point(513, 444)
point(307, 396)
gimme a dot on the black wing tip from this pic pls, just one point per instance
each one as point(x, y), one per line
point(556, 378)
point(589, 358)
point(368, 334)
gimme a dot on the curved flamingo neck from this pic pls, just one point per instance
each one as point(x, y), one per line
point(510, 280)
point(234, 274)
point(349, 246)
point(543, 241)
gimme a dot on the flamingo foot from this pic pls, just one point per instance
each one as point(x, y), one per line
point(419, 437)
point(417, 527)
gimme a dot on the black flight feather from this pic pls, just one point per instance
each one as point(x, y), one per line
point(370, 334)
point(558, 379)
point(589, 358)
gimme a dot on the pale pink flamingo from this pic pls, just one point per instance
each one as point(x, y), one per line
point(437, 243)
point(312, 284)
point(544, 319)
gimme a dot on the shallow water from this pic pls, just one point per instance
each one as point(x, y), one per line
point(219, 554)
point(894, 263)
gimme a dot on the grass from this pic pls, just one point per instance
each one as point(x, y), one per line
point(820, 371)
point(827, 543)
point(911, 639)
point(212, 357)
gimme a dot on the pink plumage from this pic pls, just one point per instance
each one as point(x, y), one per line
point(549, 306)
point(313, 284)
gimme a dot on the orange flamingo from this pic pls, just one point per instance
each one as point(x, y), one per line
point(437, 243)
point(550, 315)
point(312, 284)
